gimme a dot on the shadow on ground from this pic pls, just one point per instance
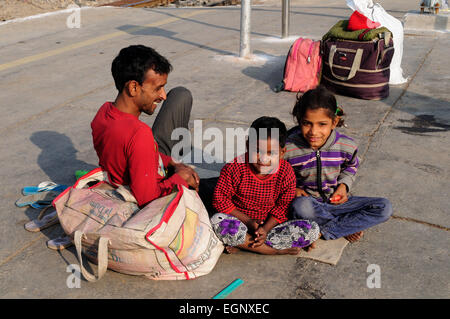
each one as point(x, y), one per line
point(58, 157)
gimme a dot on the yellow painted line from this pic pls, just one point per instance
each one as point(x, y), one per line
point(92, 41)
point(17, 252)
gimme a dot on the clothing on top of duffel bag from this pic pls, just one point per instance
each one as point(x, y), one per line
point(171, 238)
point(357, 68)
point(358, 21)
point(340, 31)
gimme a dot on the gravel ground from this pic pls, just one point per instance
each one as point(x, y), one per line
point(11, 9)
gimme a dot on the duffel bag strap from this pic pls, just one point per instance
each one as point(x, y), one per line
point(355, 66)
point(387, 39)
point(102, 256)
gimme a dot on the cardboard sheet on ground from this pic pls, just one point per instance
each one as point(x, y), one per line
point(326, 251)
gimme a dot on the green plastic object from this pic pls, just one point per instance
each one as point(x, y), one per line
point(79, 173)
point(229, 289)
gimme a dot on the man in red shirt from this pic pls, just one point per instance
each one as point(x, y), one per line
point(128, 149)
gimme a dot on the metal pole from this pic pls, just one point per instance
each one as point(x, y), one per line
point(244, 50)
point(285, 9)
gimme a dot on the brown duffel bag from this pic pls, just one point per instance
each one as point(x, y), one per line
point(358, 69)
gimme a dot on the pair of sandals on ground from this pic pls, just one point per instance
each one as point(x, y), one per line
point(41, 197)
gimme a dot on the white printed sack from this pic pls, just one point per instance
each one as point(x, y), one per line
point(171, 238)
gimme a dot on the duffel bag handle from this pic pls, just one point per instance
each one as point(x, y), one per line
point(102, 256)
point(355, 66)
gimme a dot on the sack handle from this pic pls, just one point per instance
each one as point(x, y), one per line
point(97, 175)
point(102, 256)
point(355, 67)
point(126, 194)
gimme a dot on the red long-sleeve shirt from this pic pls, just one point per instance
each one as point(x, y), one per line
point(238, 187)
point(127, 150)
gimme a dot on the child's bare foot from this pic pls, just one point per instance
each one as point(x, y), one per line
point(264, 249)
point(288, 251)
point(313, 244)
point(354, 237)
point(230, 249)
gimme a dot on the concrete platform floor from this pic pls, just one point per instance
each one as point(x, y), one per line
point(54, 79)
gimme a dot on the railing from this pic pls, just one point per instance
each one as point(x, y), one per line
point(285, 9)
point(244, 48)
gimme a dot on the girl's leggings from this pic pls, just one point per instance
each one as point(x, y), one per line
point(336, 221)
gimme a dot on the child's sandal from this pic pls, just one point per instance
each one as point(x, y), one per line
point(60, 243)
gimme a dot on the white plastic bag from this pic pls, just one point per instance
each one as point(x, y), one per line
point(376, 13)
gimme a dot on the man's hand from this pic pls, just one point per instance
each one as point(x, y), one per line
point(300, 192)
point(340, 195)
point(188, 174)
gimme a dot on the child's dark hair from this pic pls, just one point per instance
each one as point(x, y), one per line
point(266, 122)
point(134, 61)
point(318, 98)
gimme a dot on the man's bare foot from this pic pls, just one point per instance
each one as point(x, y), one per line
point(230, 250)
point(354, 237)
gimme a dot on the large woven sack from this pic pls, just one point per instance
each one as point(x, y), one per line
point(170, 238)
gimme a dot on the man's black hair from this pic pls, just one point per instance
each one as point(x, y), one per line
point(133, 62)
point(268, 123)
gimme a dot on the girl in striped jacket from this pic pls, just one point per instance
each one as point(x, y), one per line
point(325, 164)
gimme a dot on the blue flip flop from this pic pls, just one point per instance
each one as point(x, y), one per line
point(43, 187)
point(40, 198)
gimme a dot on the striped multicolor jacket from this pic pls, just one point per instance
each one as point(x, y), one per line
point(320, 172)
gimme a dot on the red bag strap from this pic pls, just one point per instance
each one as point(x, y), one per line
point(295, 48)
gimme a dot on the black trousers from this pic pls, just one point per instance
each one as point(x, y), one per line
point(175, 113)
point(206, 192)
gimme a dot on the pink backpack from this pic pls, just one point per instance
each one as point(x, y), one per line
point(303, 66)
